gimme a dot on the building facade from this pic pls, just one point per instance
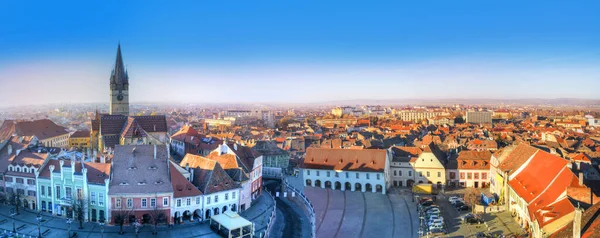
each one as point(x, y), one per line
point(479, 117)
point(347, 169)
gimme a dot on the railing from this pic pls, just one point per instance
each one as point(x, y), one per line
point(272, 217)
point(308, 204)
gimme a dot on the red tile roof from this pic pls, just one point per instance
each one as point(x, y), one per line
point(517, 157)
point(42, 129)
point(371, 160)
point(181, 186)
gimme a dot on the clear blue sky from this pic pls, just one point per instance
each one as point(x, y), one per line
point(301, 51)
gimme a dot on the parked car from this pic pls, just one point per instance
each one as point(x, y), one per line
point(436, 226)
point(430, 207)
point(433, 211)
point(436, 221)
point(427, 203)
point(434, 217)
point(472, 219)
point(451, 199)
point(463, 208)
point(423, 199)
point(453, 202)
point(458, 204)
point(437, 232)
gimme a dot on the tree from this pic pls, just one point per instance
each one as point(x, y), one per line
point(79, 207)
point(472, 196)
point(158, 216)
point(120, 215)
point(15, 200)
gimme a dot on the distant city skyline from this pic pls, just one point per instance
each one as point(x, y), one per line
point(299, 52)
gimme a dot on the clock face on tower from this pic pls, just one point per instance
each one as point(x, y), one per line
point(120, 97)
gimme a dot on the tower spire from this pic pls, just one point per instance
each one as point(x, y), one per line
point(119, 76)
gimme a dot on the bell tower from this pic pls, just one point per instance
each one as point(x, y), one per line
point(119, 87)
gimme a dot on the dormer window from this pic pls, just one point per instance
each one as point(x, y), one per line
point(141, 183)
point(132, 168)
point(152, 167)
point(123, 183)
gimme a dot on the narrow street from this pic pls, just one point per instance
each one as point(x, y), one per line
point(295, 223)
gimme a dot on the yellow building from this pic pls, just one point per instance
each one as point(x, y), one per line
point(80, 139)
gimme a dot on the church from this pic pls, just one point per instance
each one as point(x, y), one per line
point(118, 127)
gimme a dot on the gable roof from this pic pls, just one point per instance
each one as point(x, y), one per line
point(42, 129)
point(209, 177)
point(137, 171)
point(517, 157)
point(181, 186)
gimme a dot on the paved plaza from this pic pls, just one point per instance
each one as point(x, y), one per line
point(356, 214)
point(26, 224)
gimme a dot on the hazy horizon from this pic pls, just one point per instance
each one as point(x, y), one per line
point(299, 52)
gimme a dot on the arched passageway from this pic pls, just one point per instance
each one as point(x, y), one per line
point(327, 184)
point(308, 182)
point(338, 186)
point(379, 188)
point(317, 183)
point(348, 186)
point(357, 186)
point(368, 187)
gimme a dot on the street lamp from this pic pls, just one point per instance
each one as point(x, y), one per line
point(69, 221)
point(102, 229)
point(12, 215)
point(39, 220)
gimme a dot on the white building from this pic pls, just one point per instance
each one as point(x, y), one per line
point(347, 169)
point(401, 170)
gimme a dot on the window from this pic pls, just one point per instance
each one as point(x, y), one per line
point(317, 172)
point(207, 200)
point(9, 179)
point(49, 191)
point(118, 203)
point(469, 176)
point(420, 174)
point(377, 176)
point(395, 173)
point(307, 172)
point(439, 174)
point(337, 175)
point(152, 202)
point(20, 191)
point(399, 172)
point(188, 202)
point(409, 173)
point(79, 193)
point(58, 192)
point(233, 195)
point(198, 200)
point(357, 176)
point(178, 203)
point(428, 174)
point(347, 175)
point(328, 174)
point(101, 199)
point(9, 190)
point(452, 175)
point(483, 175)
point(216, 198)
point(476, 175)
point(43, 190)
point(68, 192)
point(165, 201)
point(19, 180)
point(462, 175)
point(129, 203)
point(367, 176)
point(31, 193)
point(93, 198)
point(226, 196)
point(31, 182)
point(144, 202)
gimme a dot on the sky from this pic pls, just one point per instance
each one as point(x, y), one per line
point(299, 51)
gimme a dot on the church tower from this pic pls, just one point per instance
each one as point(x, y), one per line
point(119, 88)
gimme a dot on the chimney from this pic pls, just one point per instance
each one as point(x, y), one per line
point(580, 179)
point(9, 149)
point(187, 167)
point(577, 222)
point(155, 151)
